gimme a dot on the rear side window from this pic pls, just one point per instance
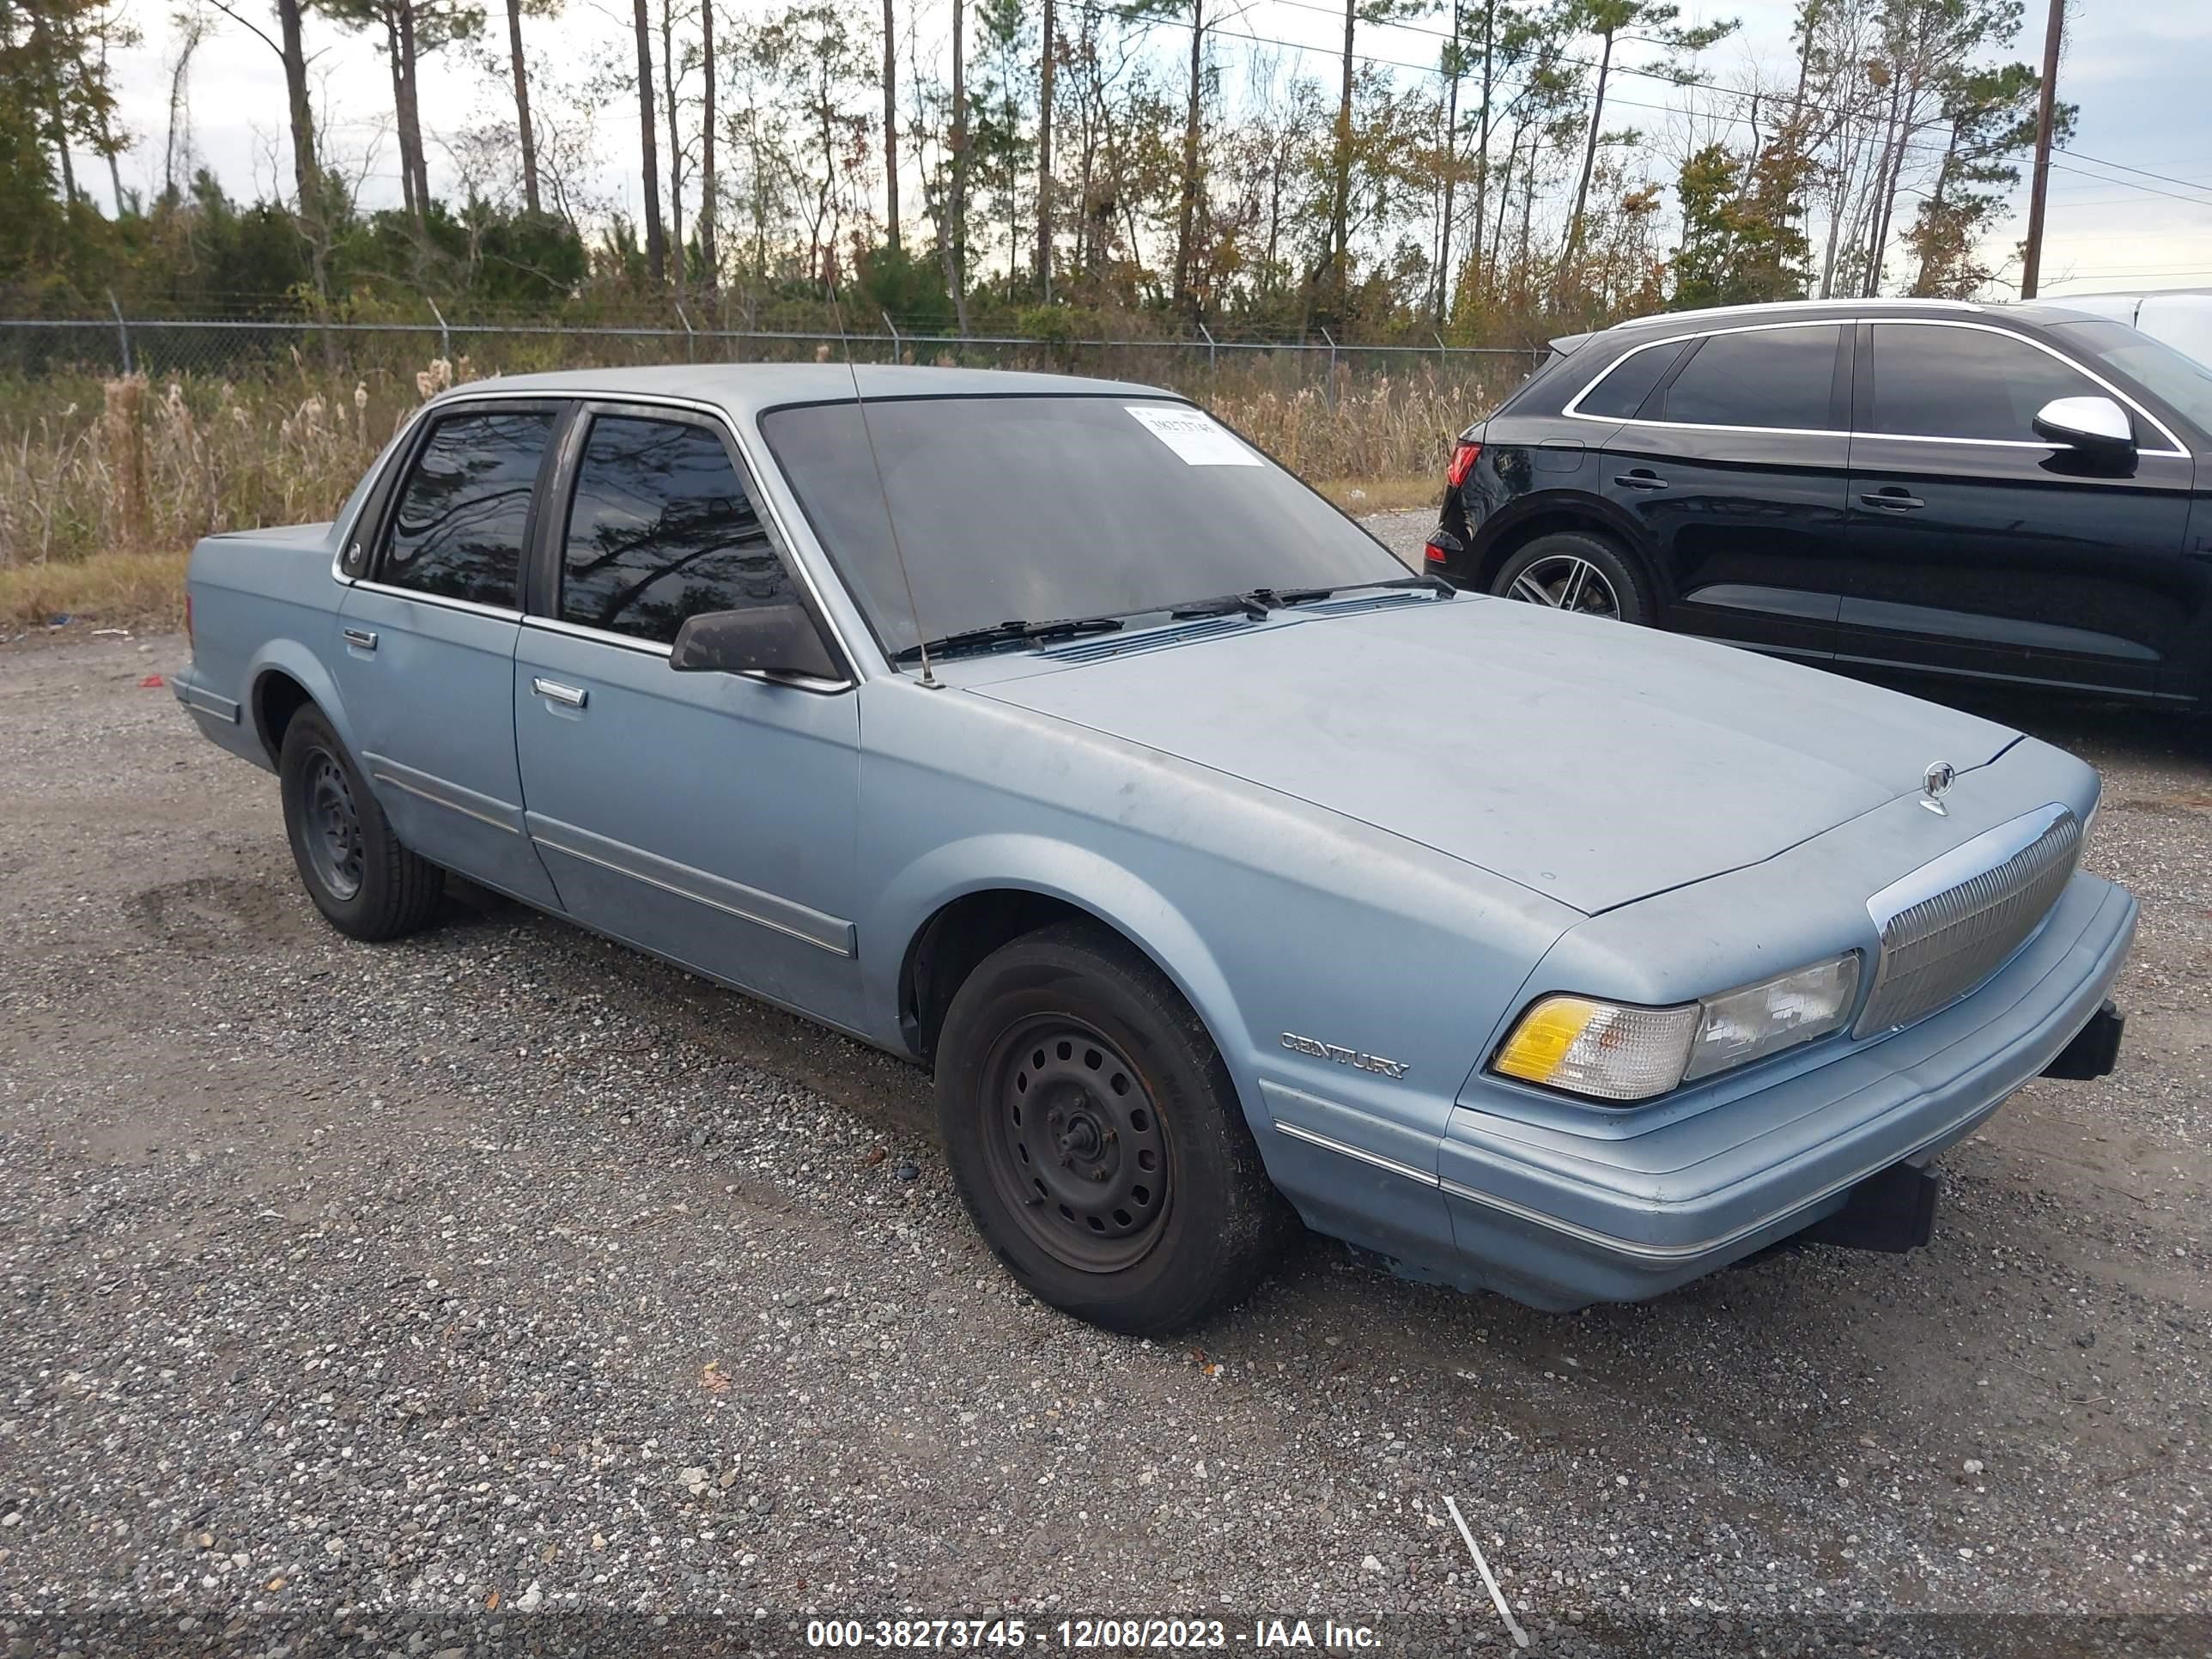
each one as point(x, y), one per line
point(1769, 377)
point(1625, 387)
point(1944, 382)
point(661, 528)
point(463, 512)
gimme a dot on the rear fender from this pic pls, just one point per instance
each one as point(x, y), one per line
point(289, 657)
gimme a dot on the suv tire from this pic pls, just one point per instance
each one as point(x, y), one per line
point(1577, 570)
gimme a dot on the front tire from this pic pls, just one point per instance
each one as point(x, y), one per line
point(364, 881)
point(1095, 1138)
point(1576, 570)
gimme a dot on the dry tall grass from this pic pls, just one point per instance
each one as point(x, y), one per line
point(93, 470)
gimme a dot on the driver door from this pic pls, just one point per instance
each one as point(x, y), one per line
point(1977, 548)
point(707, 818)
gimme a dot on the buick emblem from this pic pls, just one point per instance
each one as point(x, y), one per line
point(1935, 783)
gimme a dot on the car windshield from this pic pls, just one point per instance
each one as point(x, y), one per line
point(2162, 371)
point(1042, 509)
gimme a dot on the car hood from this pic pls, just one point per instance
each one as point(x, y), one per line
point(1592, 763)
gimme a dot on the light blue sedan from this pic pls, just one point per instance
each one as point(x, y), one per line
point(1044, 732)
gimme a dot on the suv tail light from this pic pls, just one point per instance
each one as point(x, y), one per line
point(1464, 456)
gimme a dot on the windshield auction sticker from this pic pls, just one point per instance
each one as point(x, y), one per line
point(1192, 435)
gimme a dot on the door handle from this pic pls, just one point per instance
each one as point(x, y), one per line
point(568, 696)
point(361, 639)
point(1641, 477)
point(1893, 499)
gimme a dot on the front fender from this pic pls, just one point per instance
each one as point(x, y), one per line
point(1074, 875)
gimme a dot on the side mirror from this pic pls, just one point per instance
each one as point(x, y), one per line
point(2097, 427)
point(777, 639)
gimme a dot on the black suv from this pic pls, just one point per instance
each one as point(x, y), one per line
point(2005, 493)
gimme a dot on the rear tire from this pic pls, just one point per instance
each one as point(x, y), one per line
point(364, 881)
point(1095, 1138)
point(1578, 570)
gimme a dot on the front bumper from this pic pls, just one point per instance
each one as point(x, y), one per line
point(1558, 1218)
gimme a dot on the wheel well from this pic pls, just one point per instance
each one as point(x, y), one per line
point(1524, 531)
point(953, 942)
point(277, 697)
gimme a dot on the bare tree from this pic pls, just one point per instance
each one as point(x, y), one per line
point(891, 129)
point(523, 132)
point(656, 245)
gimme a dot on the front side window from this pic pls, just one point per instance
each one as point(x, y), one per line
point(2185, 381)
point(661, 529)
point(1629, 382)
point(1946, 382)
point(1768, 377)
point(1042, 508)
point(463, 512)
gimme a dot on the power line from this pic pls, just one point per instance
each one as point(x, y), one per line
point(2164, 177)
point(2149, 190)
point(1335, 53)
point(1792, 100)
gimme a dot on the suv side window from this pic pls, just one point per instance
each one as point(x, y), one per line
point(463, 514)
point(1939, 381)
point(1768, 377)
point(661, 528)
point(1625, 387)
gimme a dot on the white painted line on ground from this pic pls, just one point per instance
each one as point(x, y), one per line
point(1498, 1596)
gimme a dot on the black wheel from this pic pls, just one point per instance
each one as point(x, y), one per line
point(1575, 570)
point(360, 876)
point(1097, 1140)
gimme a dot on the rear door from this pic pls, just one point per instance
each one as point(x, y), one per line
point(426, 654)
point(1977, 547)
point(1735, 462)
point(708, 816)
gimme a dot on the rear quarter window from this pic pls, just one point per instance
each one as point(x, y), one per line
point(1624, 386)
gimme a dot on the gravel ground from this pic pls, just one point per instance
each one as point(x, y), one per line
point(504, 1288)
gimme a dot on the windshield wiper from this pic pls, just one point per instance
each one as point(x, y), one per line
point(1015, 632)
point(1256, 604)
point(1442, 588)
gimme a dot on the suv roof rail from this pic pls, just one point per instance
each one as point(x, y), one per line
point(1884, 303)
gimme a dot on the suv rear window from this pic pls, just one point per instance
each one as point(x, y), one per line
point(1630, 381)
point(1767, 377)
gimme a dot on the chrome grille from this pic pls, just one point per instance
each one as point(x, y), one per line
point(1938, 947)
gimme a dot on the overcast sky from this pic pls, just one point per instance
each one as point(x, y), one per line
point(2136, 70)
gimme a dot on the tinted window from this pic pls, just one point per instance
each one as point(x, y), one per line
point(1038, 508)
point(1767, 377)
point(1623, 391)
point(2184, 382)
point(464, 509)
point(661, 528)
point(1938, 382)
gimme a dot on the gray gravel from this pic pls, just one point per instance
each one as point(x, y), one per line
point(505, 1286)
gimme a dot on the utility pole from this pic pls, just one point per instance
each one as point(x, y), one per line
point(2031, 263)
point(1044, 164)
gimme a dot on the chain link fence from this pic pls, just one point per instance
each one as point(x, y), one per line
point(168, 348)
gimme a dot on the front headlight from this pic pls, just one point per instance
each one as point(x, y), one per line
point(1614, 1051)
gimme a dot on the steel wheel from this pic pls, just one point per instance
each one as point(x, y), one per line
point(333, 837)
point(1566, 581)
point(1075, 1146)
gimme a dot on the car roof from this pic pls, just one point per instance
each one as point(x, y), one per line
point(1785, 310)
point(747, 389)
